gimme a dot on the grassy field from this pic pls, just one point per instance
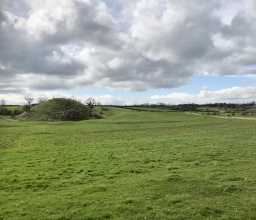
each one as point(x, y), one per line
point(13, 107)
point(131, 165)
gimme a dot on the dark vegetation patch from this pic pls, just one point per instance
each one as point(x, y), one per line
point(10, 110)
point(209, 212)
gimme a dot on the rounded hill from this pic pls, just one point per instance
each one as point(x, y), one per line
point(63, 109)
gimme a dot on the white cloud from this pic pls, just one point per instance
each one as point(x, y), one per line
point(146, 44)
point(229, 95)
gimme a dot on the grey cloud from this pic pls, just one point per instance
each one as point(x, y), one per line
point(51, 84)
point(85, 28)
point(155, 44)
point(150, 73)
point(11, 90)
point(21, 55)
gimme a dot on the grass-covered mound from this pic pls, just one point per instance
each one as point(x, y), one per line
point(63, 109)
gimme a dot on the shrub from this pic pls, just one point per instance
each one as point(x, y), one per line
point(74, 115)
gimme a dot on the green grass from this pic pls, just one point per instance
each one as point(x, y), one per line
point(13, 107)
point(131, 165)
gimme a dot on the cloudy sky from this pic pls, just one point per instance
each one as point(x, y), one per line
point(129, 51)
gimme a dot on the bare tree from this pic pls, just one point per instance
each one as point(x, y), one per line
point(91, 103)
point(29, 101)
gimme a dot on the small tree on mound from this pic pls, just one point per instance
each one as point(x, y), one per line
point(91, 103)
point(28, 105)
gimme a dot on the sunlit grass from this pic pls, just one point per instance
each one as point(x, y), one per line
point(130, 165)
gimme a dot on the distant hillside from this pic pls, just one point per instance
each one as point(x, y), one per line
point(224, 109)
